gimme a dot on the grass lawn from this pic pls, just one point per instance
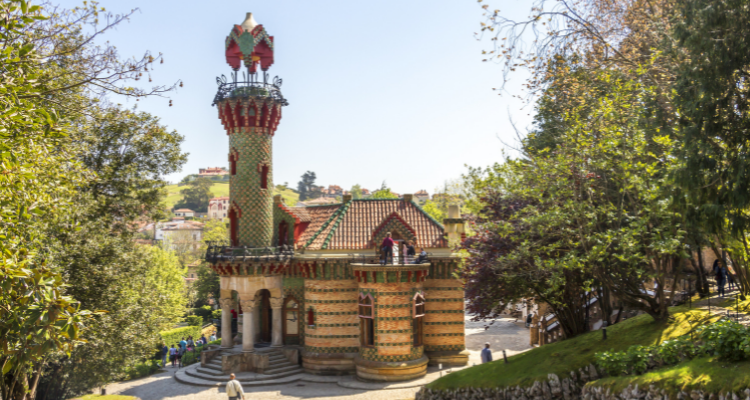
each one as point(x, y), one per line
point(706, 373)
point(221, 189)
point(564, 356)
point(105, 397)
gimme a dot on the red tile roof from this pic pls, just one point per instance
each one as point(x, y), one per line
point(318, 215)
point(352, 225)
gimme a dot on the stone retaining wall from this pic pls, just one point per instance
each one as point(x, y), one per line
point(572, 388)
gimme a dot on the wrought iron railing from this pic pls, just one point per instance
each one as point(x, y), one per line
point(220, 251)
point(249, 87)
point(390, 260)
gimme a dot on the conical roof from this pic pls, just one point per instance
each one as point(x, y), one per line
point(249, 24)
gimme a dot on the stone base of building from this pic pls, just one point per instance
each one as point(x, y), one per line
point(382, 371)
point(452, 358)
point(329, 364)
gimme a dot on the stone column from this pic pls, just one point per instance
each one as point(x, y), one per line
point(248, 323)
point(276, 334)
point(226, 322)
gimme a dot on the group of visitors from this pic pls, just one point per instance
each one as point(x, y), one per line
point(723, 276)
point(408, 253)
point(184, 345)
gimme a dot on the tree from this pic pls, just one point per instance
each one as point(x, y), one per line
point(356, 192)
point(207, 283)
point(431, 208)
point(128, 181)
point(305, 186)
point(196, 195)
point(383, 193)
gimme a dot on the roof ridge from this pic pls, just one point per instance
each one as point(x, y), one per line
point(322, 205)
point(322, 227)
point(342, 212)
point(427, 215)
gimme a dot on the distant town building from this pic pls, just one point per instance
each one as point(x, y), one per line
point(192, 272)
point(218, 207)
point(422, 196)
point(333, 191)
point(184, 212)
point(213, 171)
point(177, 230)
point(317, 202)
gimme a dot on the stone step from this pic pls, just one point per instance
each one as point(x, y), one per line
point(281, 370)
point(210, 371)
point(196, 373)
point(213, 367)
point(183, 377)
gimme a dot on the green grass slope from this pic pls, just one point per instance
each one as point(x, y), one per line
point(562, 357)
point(221, 189)
point(706, 373)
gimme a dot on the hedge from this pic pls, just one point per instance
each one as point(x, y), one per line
point(174, 336)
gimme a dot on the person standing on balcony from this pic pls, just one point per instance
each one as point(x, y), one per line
point(387, 248)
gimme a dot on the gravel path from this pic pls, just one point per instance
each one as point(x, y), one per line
point(503, 334)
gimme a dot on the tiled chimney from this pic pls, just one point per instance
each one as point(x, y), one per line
point(408, 198)
point(346, 198)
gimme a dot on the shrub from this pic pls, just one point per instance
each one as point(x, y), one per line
point(141, 369)
point(614, 363)
point(194, 320)
point(637, 358)
point(673, 351)
point(173, 336)
point(204, 312)
point(726, 339)
point(216, 314)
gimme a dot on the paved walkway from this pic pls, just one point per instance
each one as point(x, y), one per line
point(503, 334)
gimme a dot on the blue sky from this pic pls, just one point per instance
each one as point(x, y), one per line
point(379, 91)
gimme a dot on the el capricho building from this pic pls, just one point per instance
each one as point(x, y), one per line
point(308, 279)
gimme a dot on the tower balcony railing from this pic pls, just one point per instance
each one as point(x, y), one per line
point(250, 86)
point(221, 251)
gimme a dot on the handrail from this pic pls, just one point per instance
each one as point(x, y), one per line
point(221, 252)
point(249, 88)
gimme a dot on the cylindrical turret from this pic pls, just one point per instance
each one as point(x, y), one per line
point(250, 112)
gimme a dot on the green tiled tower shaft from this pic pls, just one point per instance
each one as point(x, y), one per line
point(250, 119)
point(253, 149)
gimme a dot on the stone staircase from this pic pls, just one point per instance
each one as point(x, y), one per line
point(280, 371)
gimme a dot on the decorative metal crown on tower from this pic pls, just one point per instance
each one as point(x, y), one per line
point(249, 43)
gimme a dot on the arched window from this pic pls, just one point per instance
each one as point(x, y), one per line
point(233, 237)
point(366, 323)
point(264, 177)
point(283, 233)
point(233, 164)
point(310, 317)
point(418, 320)
point(291, 321)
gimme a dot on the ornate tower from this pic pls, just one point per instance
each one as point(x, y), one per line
point(250, 110)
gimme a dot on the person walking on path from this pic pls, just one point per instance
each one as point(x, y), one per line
point(203, 340)
point(180, 353)
point(721, 279)
point(234, 388)
point(730, 281)
point(190, 342)
point(183, 343)
point(387, 248)
point(173, 355)
point(164, 352)
point(212, 338)
point(486, 353)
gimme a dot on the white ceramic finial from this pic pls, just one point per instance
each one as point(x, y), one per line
point(249, 22)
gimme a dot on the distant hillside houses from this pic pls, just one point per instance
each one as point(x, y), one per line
point(178, 231)
point(212, 171)
point(218, 207)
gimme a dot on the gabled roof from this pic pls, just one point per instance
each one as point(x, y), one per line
point(353, 225)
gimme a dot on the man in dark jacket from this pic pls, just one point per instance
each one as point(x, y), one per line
point(387, 248)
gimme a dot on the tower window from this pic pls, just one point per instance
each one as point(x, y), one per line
point(233, 227)
point(366, 323)
point(310, 317)
point(233, 164)
point(264, 177)
point(418, 321)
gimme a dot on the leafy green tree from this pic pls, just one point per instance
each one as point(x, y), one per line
point(128, 182)
point(207, 283)
point(383, 193)
point(196, 195)
point(356, 191)
point(430, 207)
